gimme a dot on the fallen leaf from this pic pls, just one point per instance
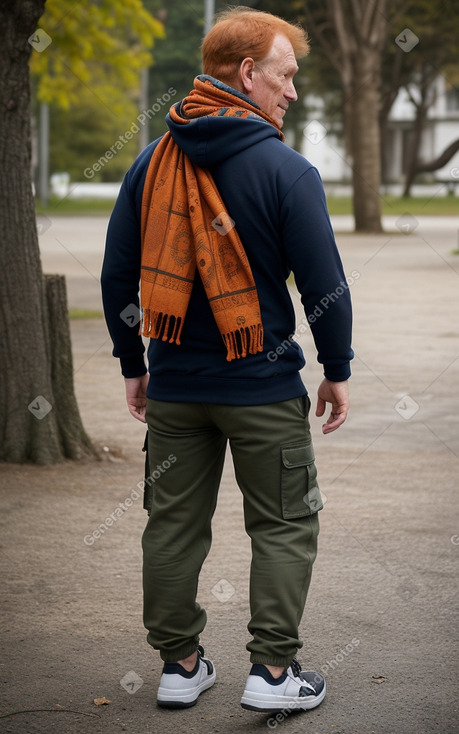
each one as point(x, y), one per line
point(101, 701)
point(378, 678)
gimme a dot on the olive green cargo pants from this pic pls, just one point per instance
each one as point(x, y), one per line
point(274, 466)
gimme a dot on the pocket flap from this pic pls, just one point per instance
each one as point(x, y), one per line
point(294, 456)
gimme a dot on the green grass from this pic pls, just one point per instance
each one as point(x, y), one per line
point(76, 207)
point(427, 206)
point(392, 205)
point(84, 313)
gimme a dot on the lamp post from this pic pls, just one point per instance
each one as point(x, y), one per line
point(209, 11)
point(144, 137)
point(43, 154)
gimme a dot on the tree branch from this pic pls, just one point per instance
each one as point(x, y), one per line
point(368, 14)
point(357, 13)
point(333, 58)
point(414, 102)
point(345, 39)
point(389, 96)
point(378, 23)
point(442, 160)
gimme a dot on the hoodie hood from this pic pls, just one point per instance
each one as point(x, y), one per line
point(208, 141)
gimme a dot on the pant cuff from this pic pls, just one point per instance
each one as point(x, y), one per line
point(180, 653)
point(269, 660)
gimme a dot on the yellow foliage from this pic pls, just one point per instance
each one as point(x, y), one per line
point(101, 46)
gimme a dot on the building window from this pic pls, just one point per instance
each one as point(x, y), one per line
point(452, 99)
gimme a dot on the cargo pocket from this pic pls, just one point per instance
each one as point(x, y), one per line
point(300, 493)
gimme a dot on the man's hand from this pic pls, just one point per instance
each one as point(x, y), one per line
point(136, 396)
point(336, 393)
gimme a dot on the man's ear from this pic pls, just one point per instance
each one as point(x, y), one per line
point(246, 70)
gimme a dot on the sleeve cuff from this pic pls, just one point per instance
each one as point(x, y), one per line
point(133, 367)
point(337, 373)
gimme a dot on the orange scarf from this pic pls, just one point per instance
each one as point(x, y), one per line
point(185, 224)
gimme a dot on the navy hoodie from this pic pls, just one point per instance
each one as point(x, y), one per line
point(276, 199)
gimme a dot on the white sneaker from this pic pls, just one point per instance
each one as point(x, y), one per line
point(179, 689)
point(295, 690)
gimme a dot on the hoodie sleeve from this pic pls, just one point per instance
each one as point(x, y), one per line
point(120, 283)
point(120, 277)
point(121, 270)
point(313, 257)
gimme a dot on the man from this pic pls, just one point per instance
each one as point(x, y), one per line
point(212, 218)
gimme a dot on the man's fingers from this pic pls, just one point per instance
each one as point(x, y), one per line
point(320, 410)
point(136, 396)
point(137, 416)
point(336, 394)
point(335, 421)
point(137, 412)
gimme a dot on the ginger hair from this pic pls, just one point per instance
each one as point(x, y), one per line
point(240, 32)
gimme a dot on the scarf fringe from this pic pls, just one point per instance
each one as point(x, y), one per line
point(240, 342)
point(159, 325)
point(167, 327)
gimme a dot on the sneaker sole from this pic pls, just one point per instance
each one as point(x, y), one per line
point(182, 699)
point(267, 703)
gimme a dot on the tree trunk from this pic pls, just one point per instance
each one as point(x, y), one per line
point(29, 429)
point(365, 141)
point(413, 154)
point(73, 438)
point(384, 133)
point(360, 30)
point(388, 97)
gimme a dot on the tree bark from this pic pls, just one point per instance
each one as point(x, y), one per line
point(353, 38)
point(74, 440)
point(365, 142)
point(388, 98)
point(29, 426)
point(427, 95)
point(418, 129)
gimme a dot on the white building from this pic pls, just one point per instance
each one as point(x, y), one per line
point(324, 148)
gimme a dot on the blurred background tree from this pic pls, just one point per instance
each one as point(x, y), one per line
point(353, 35)
point(177, 55)
point(81, 134)
point(357, 70)
point(90, 76)
point(417, 72)
point(100, 45)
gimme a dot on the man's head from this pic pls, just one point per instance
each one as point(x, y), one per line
point(255, 53)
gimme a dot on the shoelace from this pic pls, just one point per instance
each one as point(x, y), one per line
point(296, 670)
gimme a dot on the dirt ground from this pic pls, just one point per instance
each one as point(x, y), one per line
point(381, 618)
